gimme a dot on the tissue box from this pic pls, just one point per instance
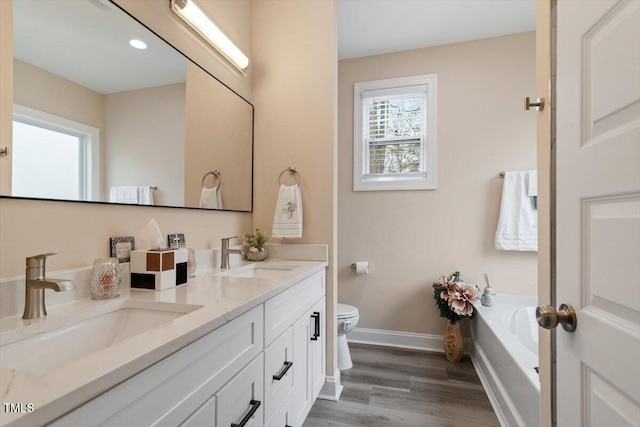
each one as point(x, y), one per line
point(158, 269)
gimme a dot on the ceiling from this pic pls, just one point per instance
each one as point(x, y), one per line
point(87, 42)
point(373, 27)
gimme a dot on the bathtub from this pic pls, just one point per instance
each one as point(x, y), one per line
point(505, 354)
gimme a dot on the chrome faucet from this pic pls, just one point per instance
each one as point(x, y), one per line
point(36, 283)
point(226, 251)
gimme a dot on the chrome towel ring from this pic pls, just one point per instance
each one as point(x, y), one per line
point(293, 171)
point(216, 181)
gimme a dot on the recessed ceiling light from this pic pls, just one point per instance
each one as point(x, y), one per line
point(138, 44)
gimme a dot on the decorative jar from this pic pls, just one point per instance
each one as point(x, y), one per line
point(105, 281)
point(257, 255)
point(453, 343)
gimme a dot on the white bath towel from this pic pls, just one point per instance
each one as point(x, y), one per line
point(211, 198)
point(287, 220)
point(145, 195)
point(532, 187)
point(132, 195)
point(532, 183)
point(518, 223)
point(125, 194)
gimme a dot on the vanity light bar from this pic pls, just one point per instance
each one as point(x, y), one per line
point(189, 11)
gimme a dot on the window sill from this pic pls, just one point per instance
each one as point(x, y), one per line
point(392, 183)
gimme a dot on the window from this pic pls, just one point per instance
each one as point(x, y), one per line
point(395, 134)
point(53, 158)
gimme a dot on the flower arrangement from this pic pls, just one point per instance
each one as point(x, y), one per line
point(455, 298)
point(256, 241)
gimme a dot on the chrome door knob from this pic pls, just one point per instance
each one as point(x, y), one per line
point(548, 317)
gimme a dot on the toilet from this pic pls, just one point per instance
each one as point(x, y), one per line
point(348, 317)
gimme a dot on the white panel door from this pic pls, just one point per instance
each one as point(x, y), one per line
point(598, 211)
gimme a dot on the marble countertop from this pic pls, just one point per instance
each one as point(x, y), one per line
point(55, 392)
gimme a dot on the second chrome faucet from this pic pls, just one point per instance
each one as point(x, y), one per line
point(225, 251)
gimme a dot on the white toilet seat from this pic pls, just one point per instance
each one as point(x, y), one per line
point(346, 311)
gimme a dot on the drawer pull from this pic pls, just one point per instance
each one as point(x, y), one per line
point(283, 371)
point(255, 404)
point(316, 332)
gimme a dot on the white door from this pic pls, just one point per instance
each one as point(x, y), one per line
point(598, 211)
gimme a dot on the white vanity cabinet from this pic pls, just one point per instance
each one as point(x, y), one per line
point(298, 312)
point(265, 367)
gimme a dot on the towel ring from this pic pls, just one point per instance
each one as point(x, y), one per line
point(292, 171)
point(216, 175)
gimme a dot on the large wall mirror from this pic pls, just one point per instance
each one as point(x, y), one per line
point(100, 118)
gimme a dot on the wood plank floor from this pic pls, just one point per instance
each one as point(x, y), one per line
point(405, 388)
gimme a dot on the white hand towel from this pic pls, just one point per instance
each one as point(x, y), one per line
point(127, 194)
point(518, 223)
point(145, 195)
point(211, 198)
point(287, 220)
point(532, 183)
point(532, 187)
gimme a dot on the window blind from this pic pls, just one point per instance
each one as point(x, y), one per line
point(394, 129)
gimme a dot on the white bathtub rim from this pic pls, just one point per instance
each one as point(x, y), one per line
point(517, 351)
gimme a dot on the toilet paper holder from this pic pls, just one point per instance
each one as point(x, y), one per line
point(361, 267)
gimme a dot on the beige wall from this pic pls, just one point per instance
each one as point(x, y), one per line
point(42, 90)
point(412, 237)
point(6, 92)
point(218, 138)
point(232, 17)
point(294, 46)
point(146, 127)
point(79, 231)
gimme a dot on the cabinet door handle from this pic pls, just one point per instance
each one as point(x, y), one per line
point(316, 332)
point(283, 371)
point(255, 404)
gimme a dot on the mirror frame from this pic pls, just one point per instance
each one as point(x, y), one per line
point(2, 196)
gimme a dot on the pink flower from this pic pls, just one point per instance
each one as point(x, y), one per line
point(464, 298)
point(444, 279)
point(448, 290)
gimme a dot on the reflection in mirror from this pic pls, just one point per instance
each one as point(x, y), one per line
point(106, 111)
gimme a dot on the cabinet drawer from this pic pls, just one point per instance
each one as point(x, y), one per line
point(279, 368)
point(166, 393)
point(241, 401)
point(282, 417)
point(205, 416)
point(281, 311)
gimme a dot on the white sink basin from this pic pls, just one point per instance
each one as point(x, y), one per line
point(49, 344)
point(262, 271)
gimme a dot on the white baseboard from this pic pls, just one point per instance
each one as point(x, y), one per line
point(332, 389)
point(410, 340)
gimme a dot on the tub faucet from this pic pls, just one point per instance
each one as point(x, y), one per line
point(224, 263)
point(36, 283)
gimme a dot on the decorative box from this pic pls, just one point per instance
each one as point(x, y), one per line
point(158, 269)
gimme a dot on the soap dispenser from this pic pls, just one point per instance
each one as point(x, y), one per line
point(488, 294)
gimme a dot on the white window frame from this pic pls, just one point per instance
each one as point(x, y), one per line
point(89, 145)
point(425, 180)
